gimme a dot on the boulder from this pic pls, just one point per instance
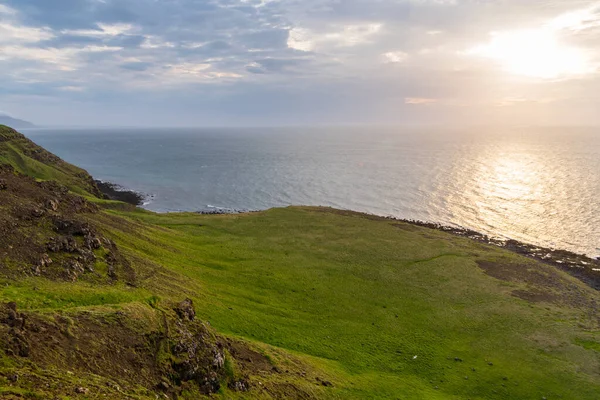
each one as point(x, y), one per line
point(82, 390)
point(52, 205)
point(185, 310)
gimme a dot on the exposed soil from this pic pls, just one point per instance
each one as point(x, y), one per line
point(44, 232)
point(544, 284)
point(48, 232)
point(164, 351)
point(252, 361)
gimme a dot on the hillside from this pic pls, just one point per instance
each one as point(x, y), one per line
point(105, 300)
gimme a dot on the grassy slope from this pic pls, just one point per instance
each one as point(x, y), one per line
point(356, 297)
point(30, 159)
point(367, 296)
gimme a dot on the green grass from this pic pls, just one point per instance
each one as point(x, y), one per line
point(35, 294)
point(381, 309)
point(387, 310)
point(14, 150)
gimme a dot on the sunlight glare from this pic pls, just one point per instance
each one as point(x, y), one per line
point(534, 53)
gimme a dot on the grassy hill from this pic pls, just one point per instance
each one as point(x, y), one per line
point(31, 160)
point(300, 302)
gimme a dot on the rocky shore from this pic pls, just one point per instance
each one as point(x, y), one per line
point(115, 192)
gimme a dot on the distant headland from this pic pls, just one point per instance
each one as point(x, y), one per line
point(14, 122)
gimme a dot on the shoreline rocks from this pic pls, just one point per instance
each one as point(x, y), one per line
point(115, 192)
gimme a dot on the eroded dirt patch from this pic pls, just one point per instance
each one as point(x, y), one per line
point(250, 360)
point(166, 350)
point(544, 284)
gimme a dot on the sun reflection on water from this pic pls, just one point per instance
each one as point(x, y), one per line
point(513, 189)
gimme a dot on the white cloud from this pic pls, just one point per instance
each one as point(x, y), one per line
point(10, 33)
point(191, 72)
point(103, 30)
point(6, 10)
point(300, 39)
point(535, 53)
point(65, 59)
point(352, 35)
point(420, 101)
point(577, 20)
point(336, 36)
point(395, 57)
point(547, 50)
point(155, 42)
point(409, 51)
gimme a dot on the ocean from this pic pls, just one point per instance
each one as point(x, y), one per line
point(536, 185)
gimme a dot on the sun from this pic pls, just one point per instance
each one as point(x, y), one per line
point(534, 53)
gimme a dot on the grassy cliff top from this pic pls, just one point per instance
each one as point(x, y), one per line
point(300, 302)
point(34, 161)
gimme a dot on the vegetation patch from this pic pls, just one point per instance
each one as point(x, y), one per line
point(99, 299)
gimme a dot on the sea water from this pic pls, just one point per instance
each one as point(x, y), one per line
point(537, 185)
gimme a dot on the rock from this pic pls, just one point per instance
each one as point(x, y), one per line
point(53, 245)
point(13, 318)
point(19, 343)
point(52, 205)
point(218, 360)
point(210, 384)
point(185, 310)
point(3, 184)
point(44, 261)
point(69, 227)
point(82, 390)
point(13, 378)
point(164, 386)
point(74, 269)
point(65, 243)
point(86, 256)
point(240, 385)
point(37, 213)
point(92, 242)
point(36, 270)
point(112, 273)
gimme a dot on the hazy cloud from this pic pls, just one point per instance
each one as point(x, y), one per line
point(297, 61)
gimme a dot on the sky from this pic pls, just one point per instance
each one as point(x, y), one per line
point(300, 62)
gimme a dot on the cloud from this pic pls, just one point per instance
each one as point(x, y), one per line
point(102, 30)
point(22, 34)
point(395, 56)
point(6, 10)
point(289, 60)
point(418, 101)
point(577, 20)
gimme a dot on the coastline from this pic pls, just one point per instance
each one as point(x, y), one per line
point(580, 266)
point(113, 191)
